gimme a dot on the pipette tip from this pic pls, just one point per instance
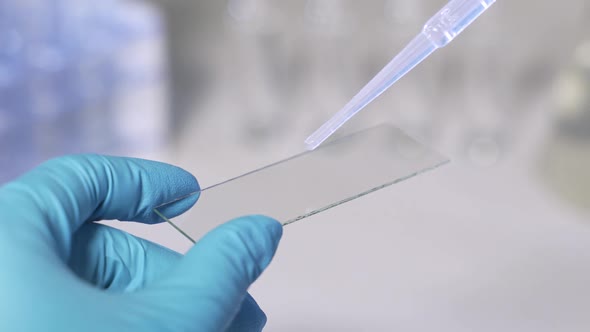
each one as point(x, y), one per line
point(324, 132)
point(311, 145)
point(440, 30)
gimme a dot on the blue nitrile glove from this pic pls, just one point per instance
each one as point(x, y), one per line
point(62, 272)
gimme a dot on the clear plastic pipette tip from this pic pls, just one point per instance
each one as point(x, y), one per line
point(440, 30)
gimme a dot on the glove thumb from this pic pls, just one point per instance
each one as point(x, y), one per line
point(206, 289)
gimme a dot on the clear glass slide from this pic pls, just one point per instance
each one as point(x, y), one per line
point(311, 182)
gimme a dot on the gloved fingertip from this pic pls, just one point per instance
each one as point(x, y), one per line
point(275, 228)
point(178, 190)
point(239, 250)
point(178, 207)
point(263, 225)
point(186, 181)
point(261, 234)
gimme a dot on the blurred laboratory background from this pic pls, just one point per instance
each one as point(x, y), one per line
point(498, 240)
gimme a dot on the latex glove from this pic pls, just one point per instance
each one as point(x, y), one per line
point(61, 272)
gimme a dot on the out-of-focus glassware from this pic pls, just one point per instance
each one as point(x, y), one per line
point(566, 157)
point(79, 76)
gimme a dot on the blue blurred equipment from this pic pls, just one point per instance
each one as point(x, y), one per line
point(63, 272)
point(75, 75)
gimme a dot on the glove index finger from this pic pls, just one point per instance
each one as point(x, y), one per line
point(63, 193)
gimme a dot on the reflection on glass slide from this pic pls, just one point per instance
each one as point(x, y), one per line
point(311, 182)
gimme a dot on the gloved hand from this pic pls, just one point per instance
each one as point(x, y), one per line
point(62, 272)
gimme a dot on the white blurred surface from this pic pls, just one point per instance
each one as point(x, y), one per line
point(456, 249)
